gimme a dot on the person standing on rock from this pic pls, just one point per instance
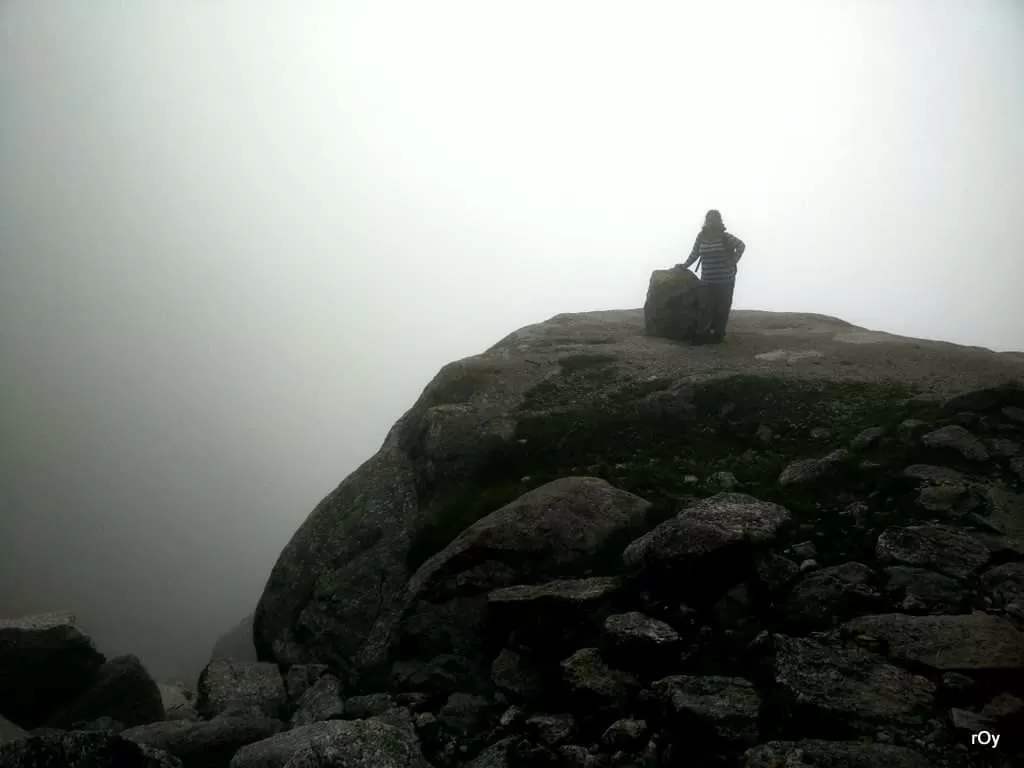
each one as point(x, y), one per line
point(717, 252)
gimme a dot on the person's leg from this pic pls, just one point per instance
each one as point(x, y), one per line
point(723, 305)
point(705, 310)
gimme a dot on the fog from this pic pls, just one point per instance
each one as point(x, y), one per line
point(238, 238)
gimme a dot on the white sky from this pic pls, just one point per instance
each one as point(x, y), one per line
point(238, 238)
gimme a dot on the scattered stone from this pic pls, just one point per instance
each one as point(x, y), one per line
point(710, 708)
point(815, 753)
point(122, 690)
point(398, 717)
point(820, 434)
point(464, 714)
point(965, 720)
point(625, 733)
point(958, 684)
point(277, 750)
point(1004, 583)
point(557, 615)
point(226, 682)
point(941, 547)
point(204, 742)
point(808, 565)
point(941, 498)
point(832, 594)
point(851, 688)
point(300, 677)
point(511, 718)
point(586, 675)
point(496, 755)
point(764, 434)
point(774, 572)
point(723, 481)
point(368, 705)
point(1003, 707)
point(82, 749)
point(970, 642)
point(804, 550)
point(45, 663)
point(637, 633)
point(551, 730)
point(321, 701)
point(361, 744)
point(440, 675)
point(917, 590)
point(910, 429)
point(867, 439)
point(1002, 448)
point(956, 438)
point(802, 472)
point(859, 511)
point(928, 474)
point(518, 673)
point(1005, 509)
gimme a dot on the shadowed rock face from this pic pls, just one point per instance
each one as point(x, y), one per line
point(585, 394)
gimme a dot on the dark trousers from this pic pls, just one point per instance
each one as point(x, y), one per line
point(715, 303)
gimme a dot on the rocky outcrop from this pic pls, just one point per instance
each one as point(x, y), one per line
point(797, 547)
point(671, 309)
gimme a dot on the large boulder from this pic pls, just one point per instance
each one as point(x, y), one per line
point(257, 686)
point(563, 527)
point(671, 309)
point(122, 690)
point(46, 660)
point(83, 749)
point(706, 547)
point(580, 394)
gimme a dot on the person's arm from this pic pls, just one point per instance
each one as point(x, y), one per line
point(694, 253)
point(738, 246)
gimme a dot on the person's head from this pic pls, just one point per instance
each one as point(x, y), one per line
point(713, 220)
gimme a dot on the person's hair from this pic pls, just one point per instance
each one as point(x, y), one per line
point(713, 220)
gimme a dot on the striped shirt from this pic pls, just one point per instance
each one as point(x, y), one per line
point(715, 264)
